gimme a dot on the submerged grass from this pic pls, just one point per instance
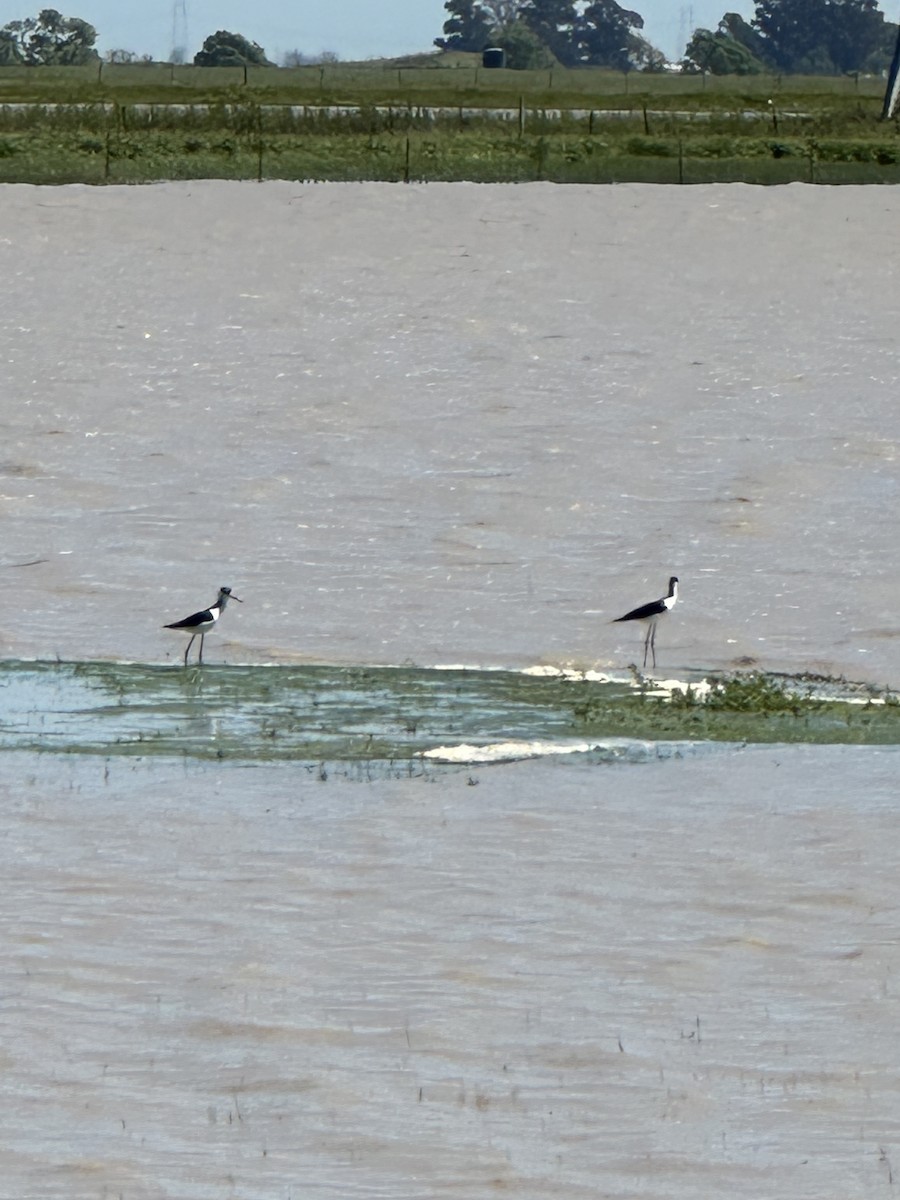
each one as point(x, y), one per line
point(761, 707)
point(394, 715)
point(754, 692)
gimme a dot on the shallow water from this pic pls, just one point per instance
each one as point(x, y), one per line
point(452, 423)
point(668, 980)
point(388, 716)
point(419, 426)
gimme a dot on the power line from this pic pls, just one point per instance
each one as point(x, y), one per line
point(179, 30)
point(685, 26)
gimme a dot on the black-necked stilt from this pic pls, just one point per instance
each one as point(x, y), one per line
point(650, 615)
point(203, 622)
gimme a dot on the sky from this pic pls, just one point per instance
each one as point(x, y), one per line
point(354, 29)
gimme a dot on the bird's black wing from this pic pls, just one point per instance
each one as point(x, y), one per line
point(654, 609)
point(191, 622)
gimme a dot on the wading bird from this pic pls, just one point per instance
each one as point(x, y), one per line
point(202, 622)
point(650, 615)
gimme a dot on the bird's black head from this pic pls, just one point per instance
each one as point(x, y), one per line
point(225, 591)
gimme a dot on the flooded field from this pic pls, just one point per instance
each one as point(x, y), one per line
point(672, 979)
point(295, 924)
point(452, 424)
point(385, 717)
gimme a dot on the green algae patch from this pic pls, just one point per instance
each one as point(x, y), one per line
point(756, 707)
point(401, 714)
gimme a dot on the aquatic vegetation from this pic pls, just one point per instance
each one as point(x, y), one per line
point(764, 692)
point(754, 691)
point(755, 706)
point(400, 715)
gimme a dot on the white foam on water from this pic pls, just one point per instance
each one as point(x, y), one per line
point(667, 688)
point(504, 751)
point(544, 671)
point(634, 750)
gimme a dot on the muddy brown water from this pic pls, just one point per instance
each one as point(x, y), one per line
point(432, 425)
point(452, 423)
point(677, 979)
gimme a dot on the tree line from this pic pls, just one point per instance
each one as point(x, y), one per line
point(52, 40)
point(811, 37)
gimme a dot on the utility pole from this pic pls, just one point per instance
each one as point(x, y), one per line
point(179, 31)
point(685, 27)
point(892, 95)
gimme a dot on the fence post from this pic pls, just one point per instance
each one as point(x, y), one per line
point(521, 117)
point(259, 144)
point(541, 149)
point(680, 161)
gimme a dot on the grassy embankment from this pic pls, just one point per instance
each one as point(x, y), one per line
point(140, 123)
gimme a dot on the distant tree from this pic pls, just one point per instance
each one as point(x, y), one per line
point(502, 14)
point(554, 22)
point(879, 61)
point(606, 37)
point(734, 26)
point(468, 28)
point(119, 57)
point(224, 49)
point(296, 58)
point(855, 32)
point(49, 39)
point(572, 32)
point(646, 57)
point(719, 54)
point(475, 24)
point(10, 53)
point(819, 36)
point(524, 49)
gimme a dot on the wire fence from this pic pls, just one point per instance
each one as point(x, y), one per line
point(440, 81)
point(114, 142)
point(120, 157)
